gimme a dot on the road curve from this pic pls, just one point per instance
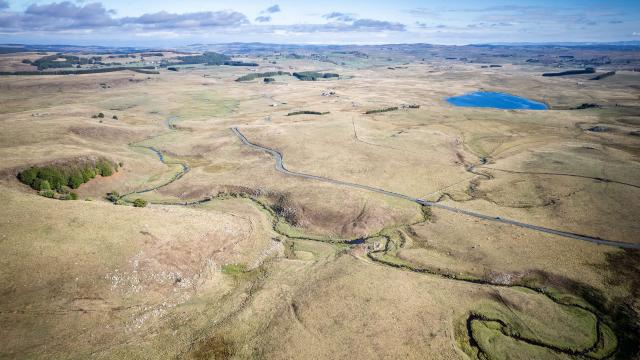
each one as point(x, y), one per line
point(281, 168)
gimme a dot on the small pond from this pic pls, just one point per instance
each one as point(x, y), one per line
point(488, 99)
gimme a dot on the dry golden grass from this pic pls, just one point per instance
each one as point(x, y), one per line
point(87, 278)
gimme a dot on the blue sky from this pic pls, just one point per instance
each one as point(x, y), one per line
point(170, 23)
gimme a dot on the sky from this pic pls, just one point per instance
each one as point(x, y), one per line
point(180, 22)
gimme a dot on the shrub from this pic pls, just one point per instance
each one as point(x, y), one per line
point(54, 176)
point(88, 173)
point(47, 193)
point(35, 185)
point(114, 117)
point(76, 178)
point(139, 202)
point(104, 168)
point(28, 176)
point(44, 185)
point(113, 196)
point(73, 196)
point(101, 115)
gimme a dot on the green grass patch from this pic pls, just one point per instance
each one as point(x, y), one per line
point(565, 327)
point(234, 269)
point(607, 344)
point(496, 345)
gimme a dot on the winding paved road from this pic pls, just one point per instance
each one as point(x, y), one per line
point(281, 168)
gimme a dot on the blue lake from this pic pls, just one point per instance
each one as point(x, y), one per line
point(488, 99)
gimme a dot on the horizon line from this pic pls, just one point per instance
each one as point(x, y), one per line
point(524, 43)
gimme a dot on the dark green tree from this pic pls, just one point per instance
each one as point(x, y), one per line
point(28, 176)
point(75, 179)
point(44, 185)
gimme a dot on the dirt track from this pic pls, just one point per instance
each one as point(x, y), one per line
point(281, 168)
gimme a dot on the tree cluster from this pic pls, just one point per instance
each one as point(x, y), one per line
point(63, 61)
point(60, 178)
point(254, 76)
point(313, 75)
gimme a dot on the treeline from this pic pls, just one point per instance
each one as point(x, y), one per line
point(133, 56)
point(375, 111)
point(603, 76)
point(209, 58)
point(585, 106)
point(121, 56)
point(306, 112)
point(588, 70)
point(83, 71)
point(60, 178)
point(254, 76)
point(144, 71)
point(313, 75)
point(304, 75)
point(53, 61)
point(240, 63)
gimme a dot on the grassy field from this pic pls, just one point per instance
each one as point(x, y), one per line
point(260, 269)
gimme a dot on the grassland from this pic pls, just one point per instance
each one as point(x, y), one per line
point(232, 259)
